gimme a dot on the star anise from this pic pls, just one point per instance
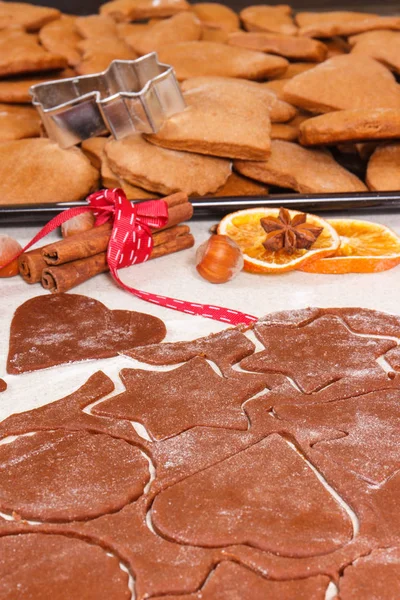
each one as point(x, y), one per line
point(284, 233)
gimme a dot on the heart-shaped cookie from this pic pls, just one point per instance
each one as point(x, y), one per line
point(54, 330)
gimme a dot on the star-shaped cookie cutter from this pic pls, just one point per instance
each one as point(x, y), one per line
point(130, 96)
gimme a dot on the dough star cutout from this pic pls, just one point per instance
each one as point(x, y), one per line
point(317, 354)
point(170, 402)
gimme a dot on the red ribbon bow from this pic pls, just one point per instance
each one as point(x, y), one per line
point(131, 243)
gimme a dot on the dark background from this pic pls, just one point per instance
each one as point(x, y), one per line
point(385, 7)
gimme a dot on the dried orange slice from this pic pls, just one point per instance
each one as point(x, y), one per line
point(365, 247)
point(245, 229)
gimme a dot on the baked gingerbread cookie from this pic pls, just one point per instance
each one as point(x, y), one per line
point(351, 126)
point(224, 117)
point(97, 54)
point(137, 10)
point(275, 19)
point(285, 132)
point(344, 82)
point(237, 185)
point(15, 90)
point(183, 27)
point(288, 46)
point(27, 16)
point(20, 52)
point(331, 23)
point(94, 150)
point(296, 68)
point(18, 122)
point(96, 26)
point(383, 168)
point(301, 169)
point(52, 167)
point(216, 17)
point(383, 46)
point(194, 59)
point(279, 110)
point(61, 37)
point(166, 171)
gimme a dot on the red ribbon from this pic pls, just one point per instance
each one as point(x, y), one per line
point(131, 243)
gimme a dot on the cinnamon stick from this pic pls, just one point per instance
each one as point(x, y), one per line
point(31, 265)
point(64, 277)
point(182, 242)
point(96, 240)
point(81, 245)
point(167, 235)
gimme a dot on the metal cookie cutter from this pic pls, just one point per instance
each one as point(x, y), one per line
point(130, 96)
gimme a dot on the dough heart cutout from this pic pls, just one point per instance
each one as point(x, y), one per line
point(54, 330)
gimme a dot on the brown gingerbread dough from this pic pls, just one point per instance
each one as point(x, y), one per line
point(224, 348)
point(317, 354)
point(272, 473)
point(156, 398)
point(66, 476)
point(230, 580)
point(54, 330)
point(374, 576)
point(38, 566)
point(3, 385)
point(262, 497)
point(366, 437)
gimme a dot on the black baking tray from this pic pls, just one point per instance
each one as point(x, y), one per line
point(209, 207)
point(86, 7)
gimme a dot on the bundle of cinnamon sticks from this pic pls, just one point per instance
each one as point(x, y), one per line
point(65, 264)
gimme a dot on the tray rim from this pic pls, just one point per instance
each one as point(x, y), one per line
point(25, 214)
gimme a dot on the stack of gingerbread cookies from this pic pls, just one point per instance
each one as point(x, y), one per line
point(306, 102)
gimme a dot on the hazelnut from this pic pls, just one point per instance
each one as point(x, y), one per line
point(9, 248)
point(219, 259)
point(78, 224)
